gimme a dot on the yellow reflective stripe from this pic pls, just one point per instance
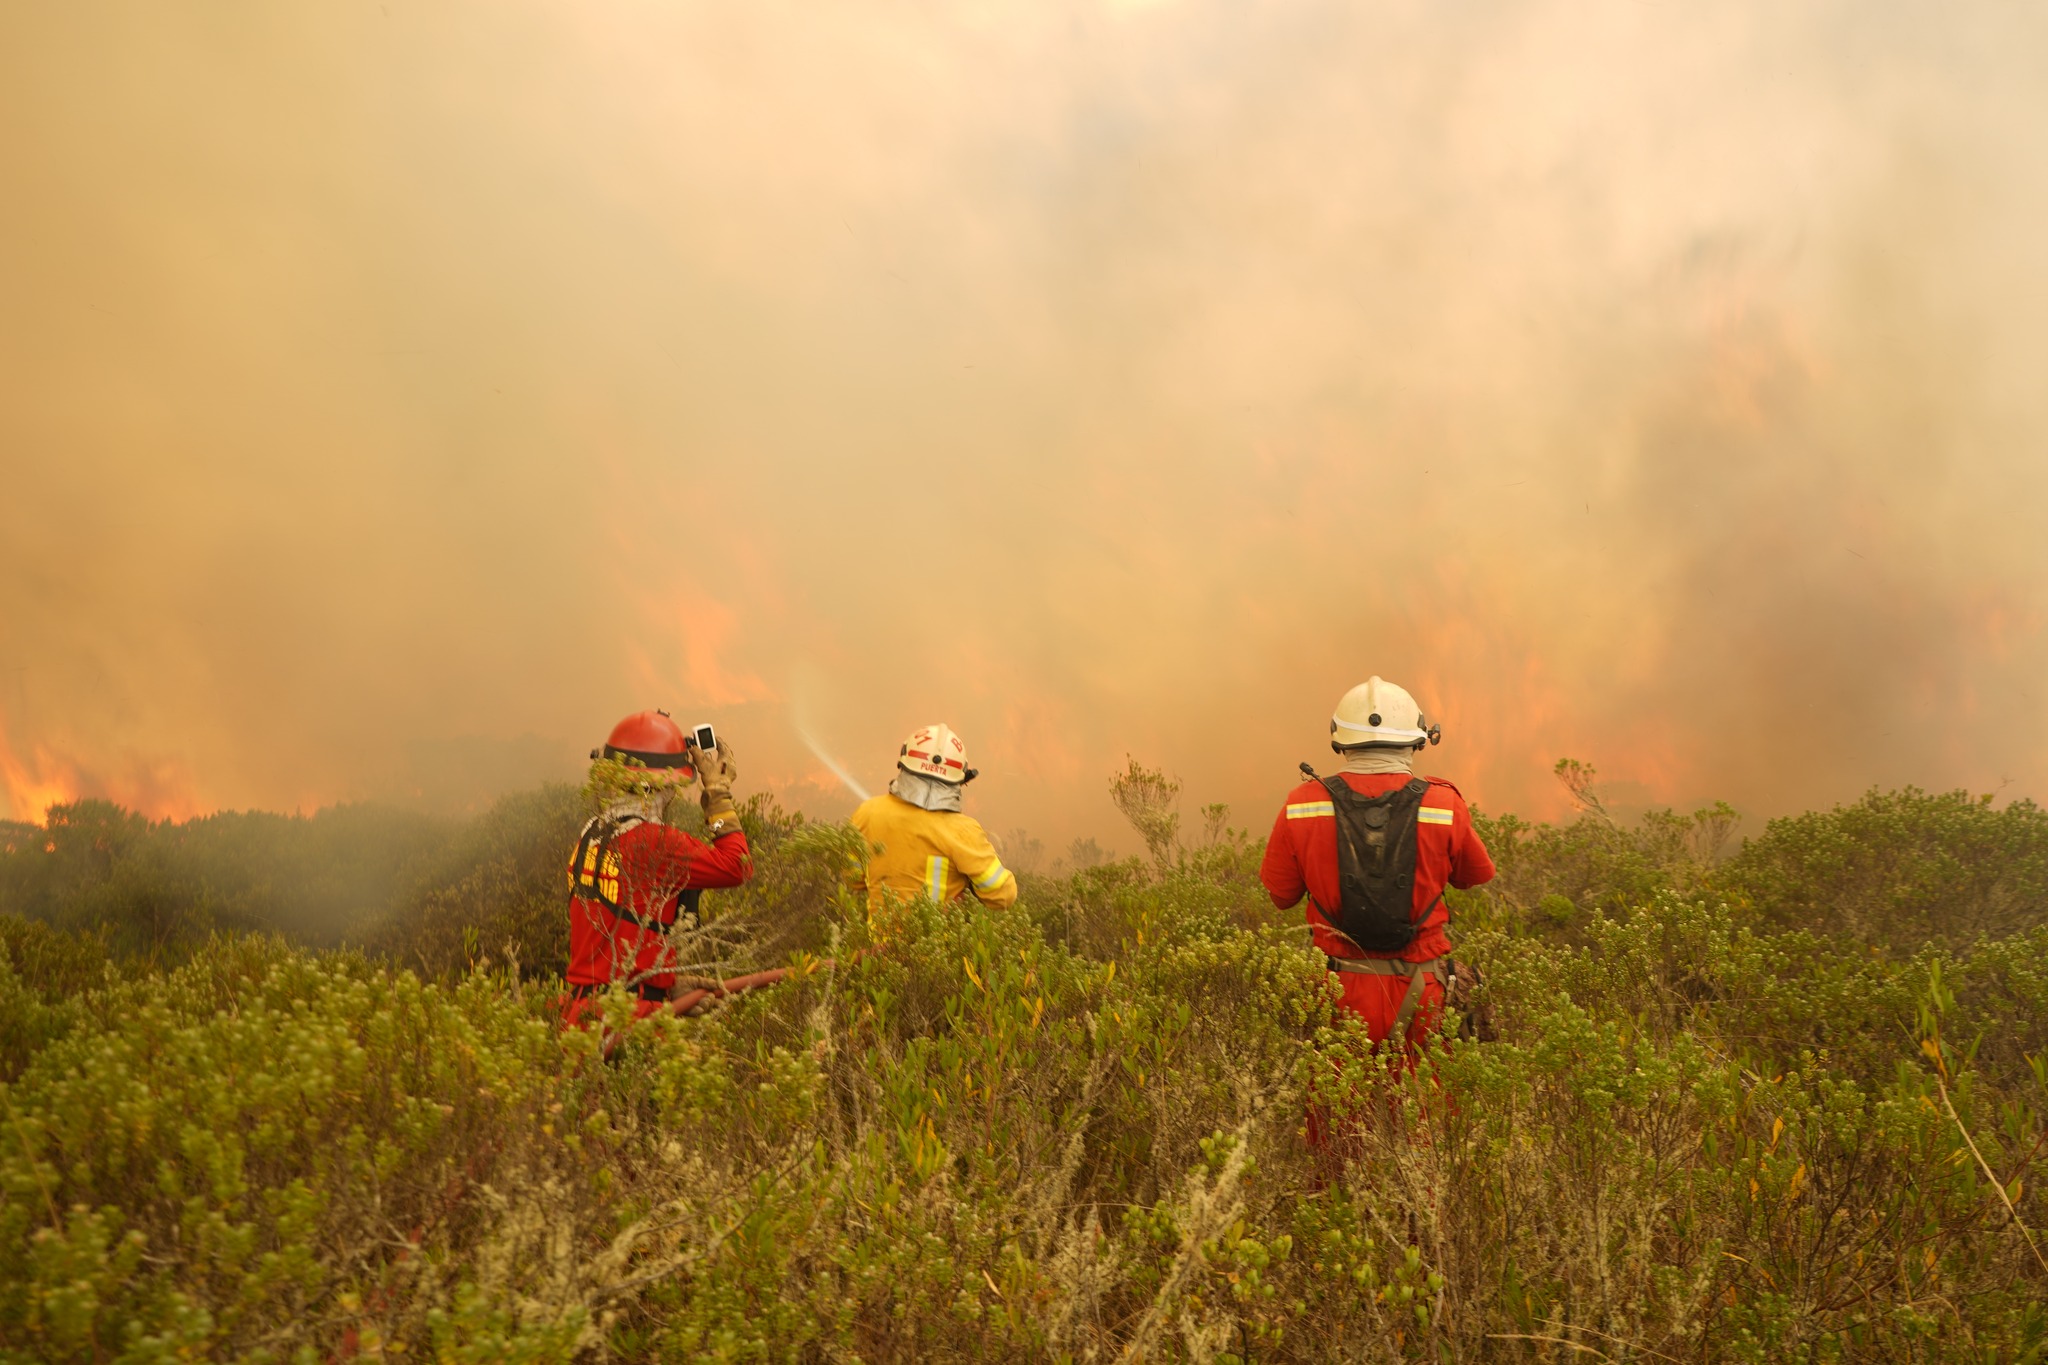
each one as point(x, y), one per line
point(1433, 815)
point(935, 878)
point(992, 877)
point(1309, 810)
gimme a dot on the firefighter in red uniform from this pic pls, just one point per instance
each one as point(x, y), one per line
point(1373, 848)
point(632, 876)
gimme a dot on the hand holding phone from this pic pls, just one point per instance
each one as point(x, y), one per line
point(715, 776)
point(712, 759)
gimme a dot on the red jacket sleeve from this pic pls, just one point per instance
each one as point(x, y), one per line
point(675, 861)
point(1280, 869)
point(1471, 864)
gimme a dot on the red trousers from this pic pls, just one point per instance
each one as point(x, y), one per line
point(580, 1011)
point(1377, 1000)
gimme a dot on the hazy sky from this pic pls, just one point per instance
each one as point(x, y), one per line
point(393, 395)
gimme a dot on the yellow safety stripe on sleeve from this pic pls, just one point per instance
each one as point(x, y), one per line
point(1309, 810)
point(993, 877)
point(935, 878)
point(1433, 815)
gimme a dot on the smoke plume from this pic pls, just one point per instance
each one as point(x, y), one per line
point(395, 394)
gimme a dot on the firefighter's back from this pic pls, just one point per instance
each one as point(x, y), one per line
point(930, 853)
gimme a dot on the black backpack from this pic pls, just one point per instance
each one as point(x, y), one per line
point(1376, 865)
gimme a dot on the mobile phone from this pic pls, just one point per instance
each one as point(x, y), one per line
point(704, 737)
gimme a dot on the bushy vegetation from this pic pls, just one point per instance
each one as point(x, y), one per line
point(1710, 1129)
point(1902, 866)
point(159, 887)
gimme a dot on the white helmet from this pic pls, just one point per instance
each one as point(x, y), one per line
point(1377, 714)
point(935, 751)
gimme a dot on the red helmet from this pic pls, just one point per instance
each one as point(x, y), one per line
point(651, 740)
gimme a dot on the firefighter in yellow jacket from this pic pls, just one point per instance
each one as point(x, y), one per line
point(919, 843)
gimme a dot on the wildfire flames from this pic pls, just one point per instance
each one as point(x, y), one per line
point(46, 778)
point(34, 786)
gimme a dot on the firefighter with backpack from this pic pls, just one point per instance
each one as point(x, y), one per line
point(1372, 848)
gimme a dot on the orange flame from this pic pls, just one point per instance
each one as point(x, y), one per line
point(32, 790)
point(46, 778)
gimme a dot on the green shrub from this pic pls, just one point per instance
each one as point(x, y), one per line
point(494, 893)
point(1901, 868)
point(1069, 1129)
point(263, 1150)
point(45, 975)
point(159, 889)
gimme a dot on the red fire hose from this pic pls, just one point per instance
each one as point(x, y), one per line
point(689, 1002)
point(692, 1002)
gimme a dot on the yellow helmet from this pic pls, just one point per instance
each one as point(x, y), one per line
point(935, 751)
point(1378, 714)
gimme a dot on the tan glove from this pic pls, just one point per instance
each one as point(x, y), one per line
point(1467, 997)
point(716, 774)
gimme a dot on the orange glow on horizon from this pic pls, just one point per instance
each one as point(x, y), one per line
point(47, 778)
